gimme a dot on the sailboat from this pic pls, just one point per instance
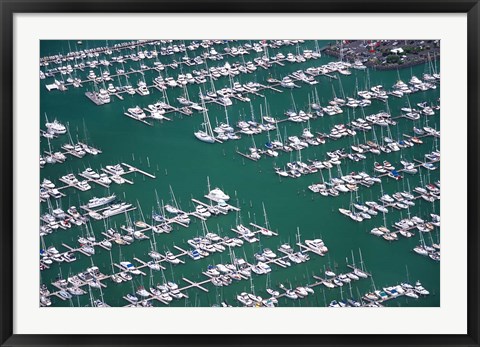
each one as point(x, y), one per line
point(181, 216)
point(270, 291)
point(225, 131)
point(255, 154)
point(360, 272)
point(265, 231)
point(270, 151)
point(115, 278)
point(421, 249)
point(267, 118)
point(315, 104)
point(85, 146)
point(205, 135)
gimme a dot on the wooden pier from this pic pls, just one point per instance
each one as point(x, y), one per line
point(134, 169)
point(137, 119)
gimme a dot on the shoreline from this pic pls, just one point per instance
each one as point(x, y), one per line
point(379, 54)
point(378, 66)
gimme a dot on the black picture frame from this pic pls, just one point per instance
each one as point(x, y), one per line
point(10, 7)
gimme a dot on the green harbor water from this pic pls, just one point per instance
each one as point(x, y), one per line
point(169, 150)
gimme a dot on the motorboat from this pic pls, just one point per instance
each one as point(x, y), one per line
point(90, 173)
point(115, 169)
point(171, 258)
point(116, 209)
point(137, 113)
point(217, 195)
point(317, 245)
point(56, 127)
point(128, 266)
point(47, 184)
point(420, 289)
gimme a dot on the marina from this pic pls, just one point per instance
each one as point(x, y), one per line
point(102, 180)
point(256, 157)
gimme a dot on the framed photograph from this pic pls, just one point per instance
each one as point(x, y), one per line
point(183, 173)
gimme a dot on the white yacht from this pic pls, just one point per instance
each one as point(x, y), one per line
point(116, 209)
point(269, 253)
point(104, 96)
point(137, 112)
point(317, 245)
point(90, 173)
point(287, 82)
point(117, 179)
point(157, 113)
point(415, 81)
point(130, 90)
point(202, 211)
point(291, 294)
point(420, 289)
point(70, 179)
point(111, 88)
point(117, 169)
point(265, 267)
point(106, 243)
point(97, 202)
point(170, 81)
point(129, 267)
point(153, 265)
point(56, 127)
point(83, 185)
point(171, 258)
point(104, 179)
point(358, 65)
point(91, 75)
point(203, 136)
point(47, 184)
point(217, 195)
point(143, 89)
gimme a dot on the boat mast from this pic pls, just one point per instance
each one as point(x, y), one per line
point(293, 102)
point(173, 197)
point(206, 120)
point(361, 260)
point(111, 261)
point(298, 235)
point(226, 116)
point(141, 212)
point(267, 225)
point(90, 294)
point(69, 134)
